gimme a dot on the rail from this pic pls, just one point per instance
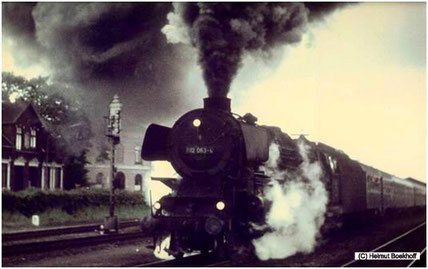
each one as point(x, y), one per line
point(387, 244)
point(199, 260)
point(14, 236)
point(43, 246)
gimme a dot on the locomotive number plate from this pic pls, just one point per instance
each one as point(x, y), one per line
point(199, 150)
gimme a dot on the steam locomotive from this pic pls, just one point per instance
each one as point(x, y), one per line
point(219, 197)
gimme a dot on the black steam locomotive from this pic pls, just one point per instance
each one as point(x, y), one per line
point(219, 154)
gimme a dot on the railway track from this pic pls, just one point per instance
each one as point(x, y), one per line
point(61, 244)
point(198, 260)
point(410, 241)
point(14, 236)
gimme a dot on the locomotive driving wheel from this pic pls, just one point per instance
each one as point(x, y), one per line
point(174, 249)
point(229, 245)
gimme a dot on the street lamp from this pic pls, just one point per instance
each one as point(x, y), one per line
point(113, 122)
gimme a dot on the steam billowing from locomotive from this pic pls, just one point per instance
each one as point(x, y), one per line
point(298, 207)
point(223, 32)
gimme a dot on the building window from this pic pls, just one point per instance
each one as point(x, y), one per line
point(33, 138)
point(137, 155)
point(18, 138)
point(120, 154)
point(57, 178)
point(26, 140)
point(119, 181)
point(4, 175)
point(48, 177)
point(99, 178)
point(138, 183)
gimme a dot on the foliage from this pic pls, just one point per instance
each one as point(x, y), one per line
point(76, 171)
point(52, 106)
point(35, 201)
point(12, 221)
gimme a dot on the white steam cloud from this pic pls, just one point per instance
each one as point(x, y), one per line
point(298, 207)
point(176, 31)
point(160, 249)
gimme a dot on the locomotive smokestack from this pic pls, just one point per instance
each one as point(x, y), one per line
point(219, 103)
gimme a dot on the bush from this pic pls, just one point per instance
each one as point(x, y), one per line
point(36, 201)
point(13, 221)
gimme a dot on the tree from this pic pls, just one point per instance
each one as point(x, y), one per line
point(76, 175)
point(66, 120)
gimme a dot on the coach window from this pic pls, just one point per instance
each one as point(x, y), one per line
point(332, 163)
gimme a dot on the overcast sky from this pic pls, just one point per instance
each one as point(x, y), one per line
point(356, 81)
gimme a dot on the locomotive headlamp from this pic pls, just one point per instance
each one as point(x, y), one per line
point(196, 123)
point(220, 205)
point(157, 205)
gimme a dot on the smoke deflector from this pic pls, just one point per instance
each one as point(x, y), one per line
point(156, 143)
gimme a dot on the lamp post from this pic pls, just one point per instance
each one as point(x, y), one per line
point(113, 122)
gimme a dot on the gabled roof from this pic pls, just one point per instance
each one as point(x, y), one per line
point(5, 141)
point(11, 112)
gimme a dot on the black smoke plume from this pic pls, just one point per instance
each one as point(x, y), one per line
point(104, 48)
point(223, 32)
point(96, 50)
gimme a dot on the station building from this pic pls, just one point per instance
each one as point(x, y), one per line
point(131, 170)
point(29, 157)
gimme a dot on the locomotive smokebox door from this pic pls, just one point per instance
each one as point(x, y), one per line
point(156, 143)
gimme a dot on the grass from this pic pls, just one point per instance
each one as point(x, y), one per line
point(12, 221)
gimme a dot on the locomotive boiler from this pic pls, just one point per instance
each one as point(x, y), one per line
point(220, 196)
